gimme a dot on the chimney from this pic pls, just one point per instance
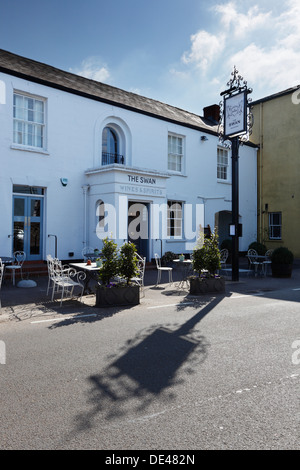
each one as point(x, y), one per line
point(212, 113)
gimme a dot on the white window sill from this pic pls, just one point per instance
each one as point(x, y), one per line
point(223, 181)
point(176, 173)
point(29, 149)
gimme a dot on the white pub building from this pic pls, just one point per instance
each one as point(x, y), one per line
point(81, 160)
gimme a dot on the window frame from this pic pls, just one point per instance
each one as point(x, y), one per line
point(179, 166)
point(111, 146)
point(22, 122)
point(172, 226)
point(221, 165)
point(273, 226)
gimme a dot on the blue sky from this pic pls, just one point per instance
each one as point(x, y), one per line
point(181, 52)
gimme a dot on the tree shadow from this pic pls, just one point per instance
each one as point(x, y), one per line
point(151, 365)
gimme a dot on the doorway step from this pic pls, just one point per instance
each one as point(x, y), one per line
point(30, 269)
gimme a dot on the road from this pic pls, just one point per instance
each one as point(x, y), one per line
point(212, 373)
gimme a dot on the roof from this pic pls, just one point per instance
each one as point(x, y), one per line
point(53, 77)
point(276, 95)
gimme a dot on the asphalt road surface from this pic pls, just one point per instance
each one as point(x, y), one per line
point(211, 373)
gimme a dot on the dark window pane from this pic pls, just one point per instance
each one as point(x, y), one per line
point(35, 238)
point(35, 208)
point(19, 207)
point(18, 236)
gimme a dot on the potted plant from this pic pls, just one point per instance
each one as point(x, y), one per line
point(282, 262)
point(168, 258)
point(110, 264)
point(206, 262)
point(128, 262)
point(118, 267)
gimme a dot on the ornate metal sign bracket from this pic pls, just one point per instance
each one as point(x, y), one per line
point(235, 127)
point(235, 111)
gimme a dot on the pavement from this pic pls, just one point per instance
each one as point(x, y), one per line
point(33, 303)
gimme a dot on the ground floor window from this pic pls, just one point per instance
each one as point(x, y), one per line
point(275, 225)
point(174, 219)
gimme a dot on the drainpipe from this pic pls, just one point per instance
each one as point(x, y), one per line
point(85, 189)
point(261, 219)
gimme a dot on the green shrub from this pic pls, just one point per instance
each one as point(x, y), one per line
point(282, 255)
point(168, 257)
point(110, 265)
point(207, 257)
point(128, 262)
point(260, 248)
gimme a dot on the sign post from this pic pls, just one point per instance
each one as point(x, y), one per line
point(236, 124)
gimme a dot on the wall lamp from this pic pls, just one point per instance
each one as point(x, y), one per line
point(204, 138)
point(64, 181)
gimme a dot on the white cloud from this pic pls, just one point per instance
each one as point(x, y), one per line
point(263, 42)
point(276, 68)
point(204, 50)
point(92, 68)
point(288, 25)
point(241, 24)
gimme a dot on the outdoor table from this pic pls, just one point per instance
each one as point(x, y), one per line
point(260, 260)
point(185, 267)
point(6, 259)
point(91, 273)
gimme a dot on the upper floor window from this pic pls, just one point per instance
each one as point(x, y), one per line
point(222, 165)
point(175, 153)
point(29, 121)
point(275, 225)
point(111, 147)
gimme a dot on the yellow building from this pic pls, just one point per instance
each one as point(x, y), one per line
point(277, 131)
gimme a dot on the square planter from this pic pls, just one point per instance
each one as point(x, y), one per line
point(282, 270)
point(117, 296)
point(207, 286)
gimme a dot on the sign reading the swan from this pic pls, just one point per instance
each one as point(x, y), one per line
point(235, 114)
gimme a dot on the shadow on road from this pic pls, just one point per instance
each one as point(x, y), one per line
point(152, 364)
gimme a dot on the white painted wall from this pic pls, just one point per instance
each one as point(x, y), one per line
point(74, 131)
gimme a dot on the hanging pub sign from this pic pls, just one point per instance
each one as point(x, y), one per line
point(235, 114)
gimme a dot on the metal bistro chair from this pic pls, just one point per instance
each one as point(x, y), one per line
point(160, 269)
point(224, 255)
point(267, 261)
point(52, 263)
point(19, 258)
point(139, 279)
point(65, 280)
point(252, 257)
